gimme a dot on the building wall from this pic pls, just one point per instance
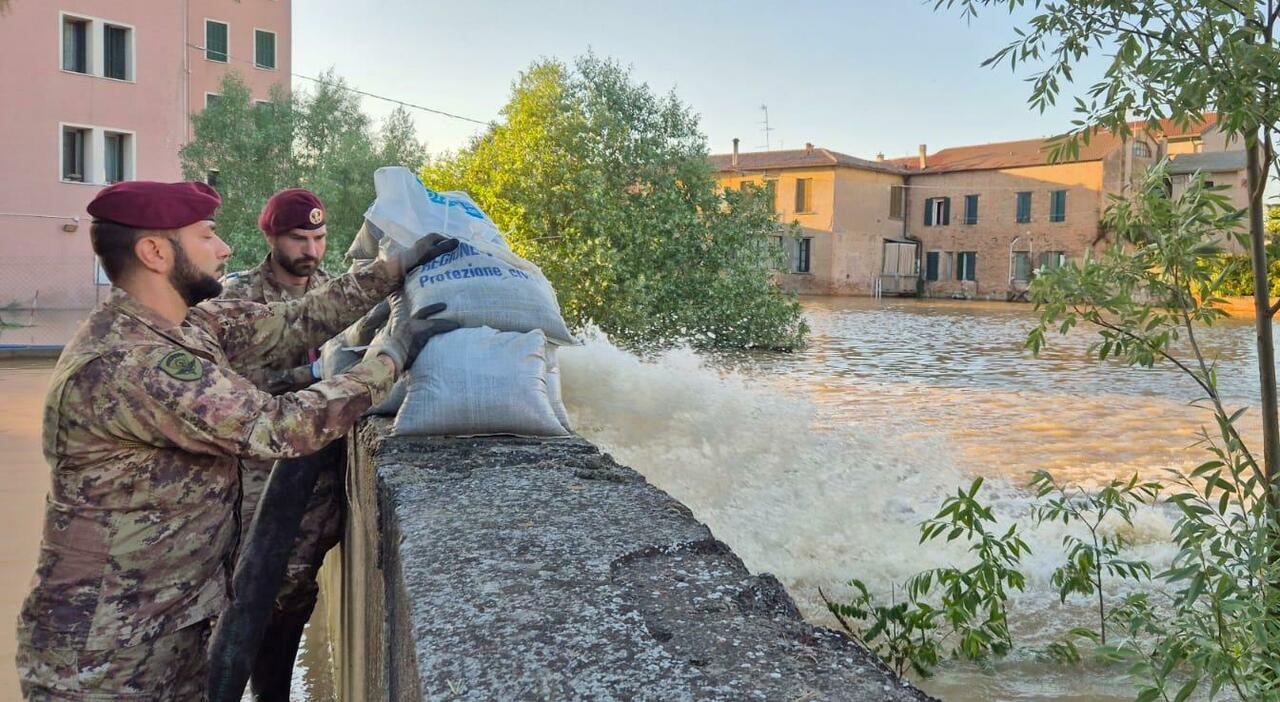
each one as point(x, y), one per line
point(846, 225)
point(40, 263)
point(862, 223)
point(997, 227)
point(242, 19)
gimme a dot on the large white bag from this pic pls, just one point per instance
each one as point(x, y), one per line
point(480, 381)
point(484, 285)
point(407, 210)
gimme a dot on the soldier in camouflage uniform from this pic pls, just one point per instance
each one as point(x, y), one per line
point(294, 224)
point(145, 422)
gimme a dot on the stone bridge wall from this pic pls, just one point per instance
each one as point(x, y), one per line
point(504, 569)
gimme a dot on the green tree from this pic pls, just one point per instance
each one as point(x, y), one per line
point(318, 139)
point(244, 149)
point(1212, 618)
point(608, 188)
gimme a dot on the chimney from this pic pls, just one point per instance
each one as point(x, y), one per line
point(734, 161)
point(808, 148)
point(924, 163)
point(879, 155)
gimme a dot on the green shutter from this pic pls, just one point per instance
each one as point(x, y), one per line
point(215, 41)
point(946, 211)
point(1024, 207)
point(1058, 212)
point(264, 49)
point(928, 212)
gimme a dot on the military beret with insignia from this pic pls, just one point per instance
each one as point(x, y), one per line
point(144, 204)
point(296, 208)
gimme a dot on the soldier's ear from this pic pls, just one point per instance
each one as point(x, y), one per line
point(155, 251)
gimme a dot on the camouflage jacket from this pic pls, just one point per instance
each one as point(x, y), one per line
point(260, 285)
point(144, 426)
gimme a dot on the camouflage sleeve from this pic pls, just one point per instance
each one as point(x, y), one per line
point(169, 397)
point(277, 381)
point(253, 334)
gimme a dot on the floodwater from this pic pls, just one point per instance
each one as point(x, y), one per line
point(818, 466)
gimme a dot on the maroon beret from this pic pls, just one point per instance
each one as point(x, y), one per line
point(295, 208)
point(145, 204)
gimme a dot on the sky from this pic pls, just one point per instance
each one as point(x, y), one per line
point(857, 76)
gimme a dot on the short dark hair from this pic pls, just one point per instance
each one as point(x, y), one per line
point(113, 243)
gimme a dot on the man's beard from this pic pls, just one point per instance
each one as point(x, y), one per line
point(191, 283)
point(302, 266)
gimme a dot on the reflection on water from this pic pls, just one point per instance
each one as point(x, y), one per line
point(818, 466)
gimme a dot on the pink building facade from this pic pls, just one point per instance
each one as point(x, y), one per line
point(96, 91)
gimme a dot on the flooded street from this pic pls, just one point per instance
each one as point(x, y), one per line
point(818, 466)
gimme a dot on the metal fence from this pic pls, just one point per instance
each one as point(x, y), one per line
point(47, 282)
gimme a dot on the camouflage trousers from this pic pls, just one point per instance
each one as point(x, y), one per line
point(169, 668)
point(320, 531)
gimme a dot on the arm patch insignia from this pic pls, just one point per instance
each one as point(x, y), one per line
point(181, 365)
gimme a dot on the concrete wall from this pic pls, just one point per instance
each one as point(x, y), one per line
point(501, 568)
point(40, 264)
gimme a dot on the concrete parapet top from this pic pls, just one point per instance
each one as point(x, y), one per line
point(525, 569)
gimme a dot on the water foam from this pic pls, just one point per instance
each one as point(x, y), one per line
point(811, 501)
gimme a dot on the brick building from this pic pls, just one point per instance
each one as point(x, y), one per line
point(97, 92)
point(970, 221)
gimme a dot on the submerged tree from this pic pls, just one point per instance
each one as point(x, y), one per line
point(608, 188)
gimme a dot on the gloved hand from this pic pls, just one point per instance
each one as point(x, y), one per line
point(404, 336)
point(404, 259)
point(360, 333)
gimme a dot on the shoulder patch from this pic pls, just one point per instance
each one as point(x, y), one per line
point(181, 365)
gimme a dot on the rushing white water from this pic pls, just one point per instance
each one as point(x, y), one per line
point(818, 467)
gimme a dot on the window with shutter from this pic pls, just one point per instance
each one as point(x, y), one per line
point(967, 265)
point(264, 49)
point(804, 195)
point(1058, 206)
point(1024, 207)
point(897, 201)
point(802, 255)
point(932, 261)
point(970, 209)
point(215, 41)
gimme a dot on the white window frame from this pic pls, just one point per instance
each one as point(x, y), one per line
point(95, 45)
point(208, 94)
point(204, 43)
point(95, 152)
point(275, 46)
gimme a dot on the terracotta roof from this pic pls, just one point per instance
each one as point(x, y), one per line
point(1035, 152)
point(796, 158)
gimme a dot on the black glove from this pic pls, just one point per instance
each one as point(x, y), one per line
point(404, 336)
point(423, 251)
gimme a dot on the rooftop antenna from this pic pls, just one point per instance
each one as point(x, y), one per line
point(766, 127)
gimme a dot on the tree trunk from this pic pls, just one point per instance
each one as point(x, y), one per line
point(1262, 306)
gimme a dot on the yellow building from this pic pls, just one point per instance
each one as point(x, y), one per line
point(850, 216)
point(969, 221)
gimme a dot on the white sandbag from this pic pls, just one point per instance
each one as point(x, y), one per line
point(554, 394)
point(488, 286)
point(480, 381)
point(406, 210)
